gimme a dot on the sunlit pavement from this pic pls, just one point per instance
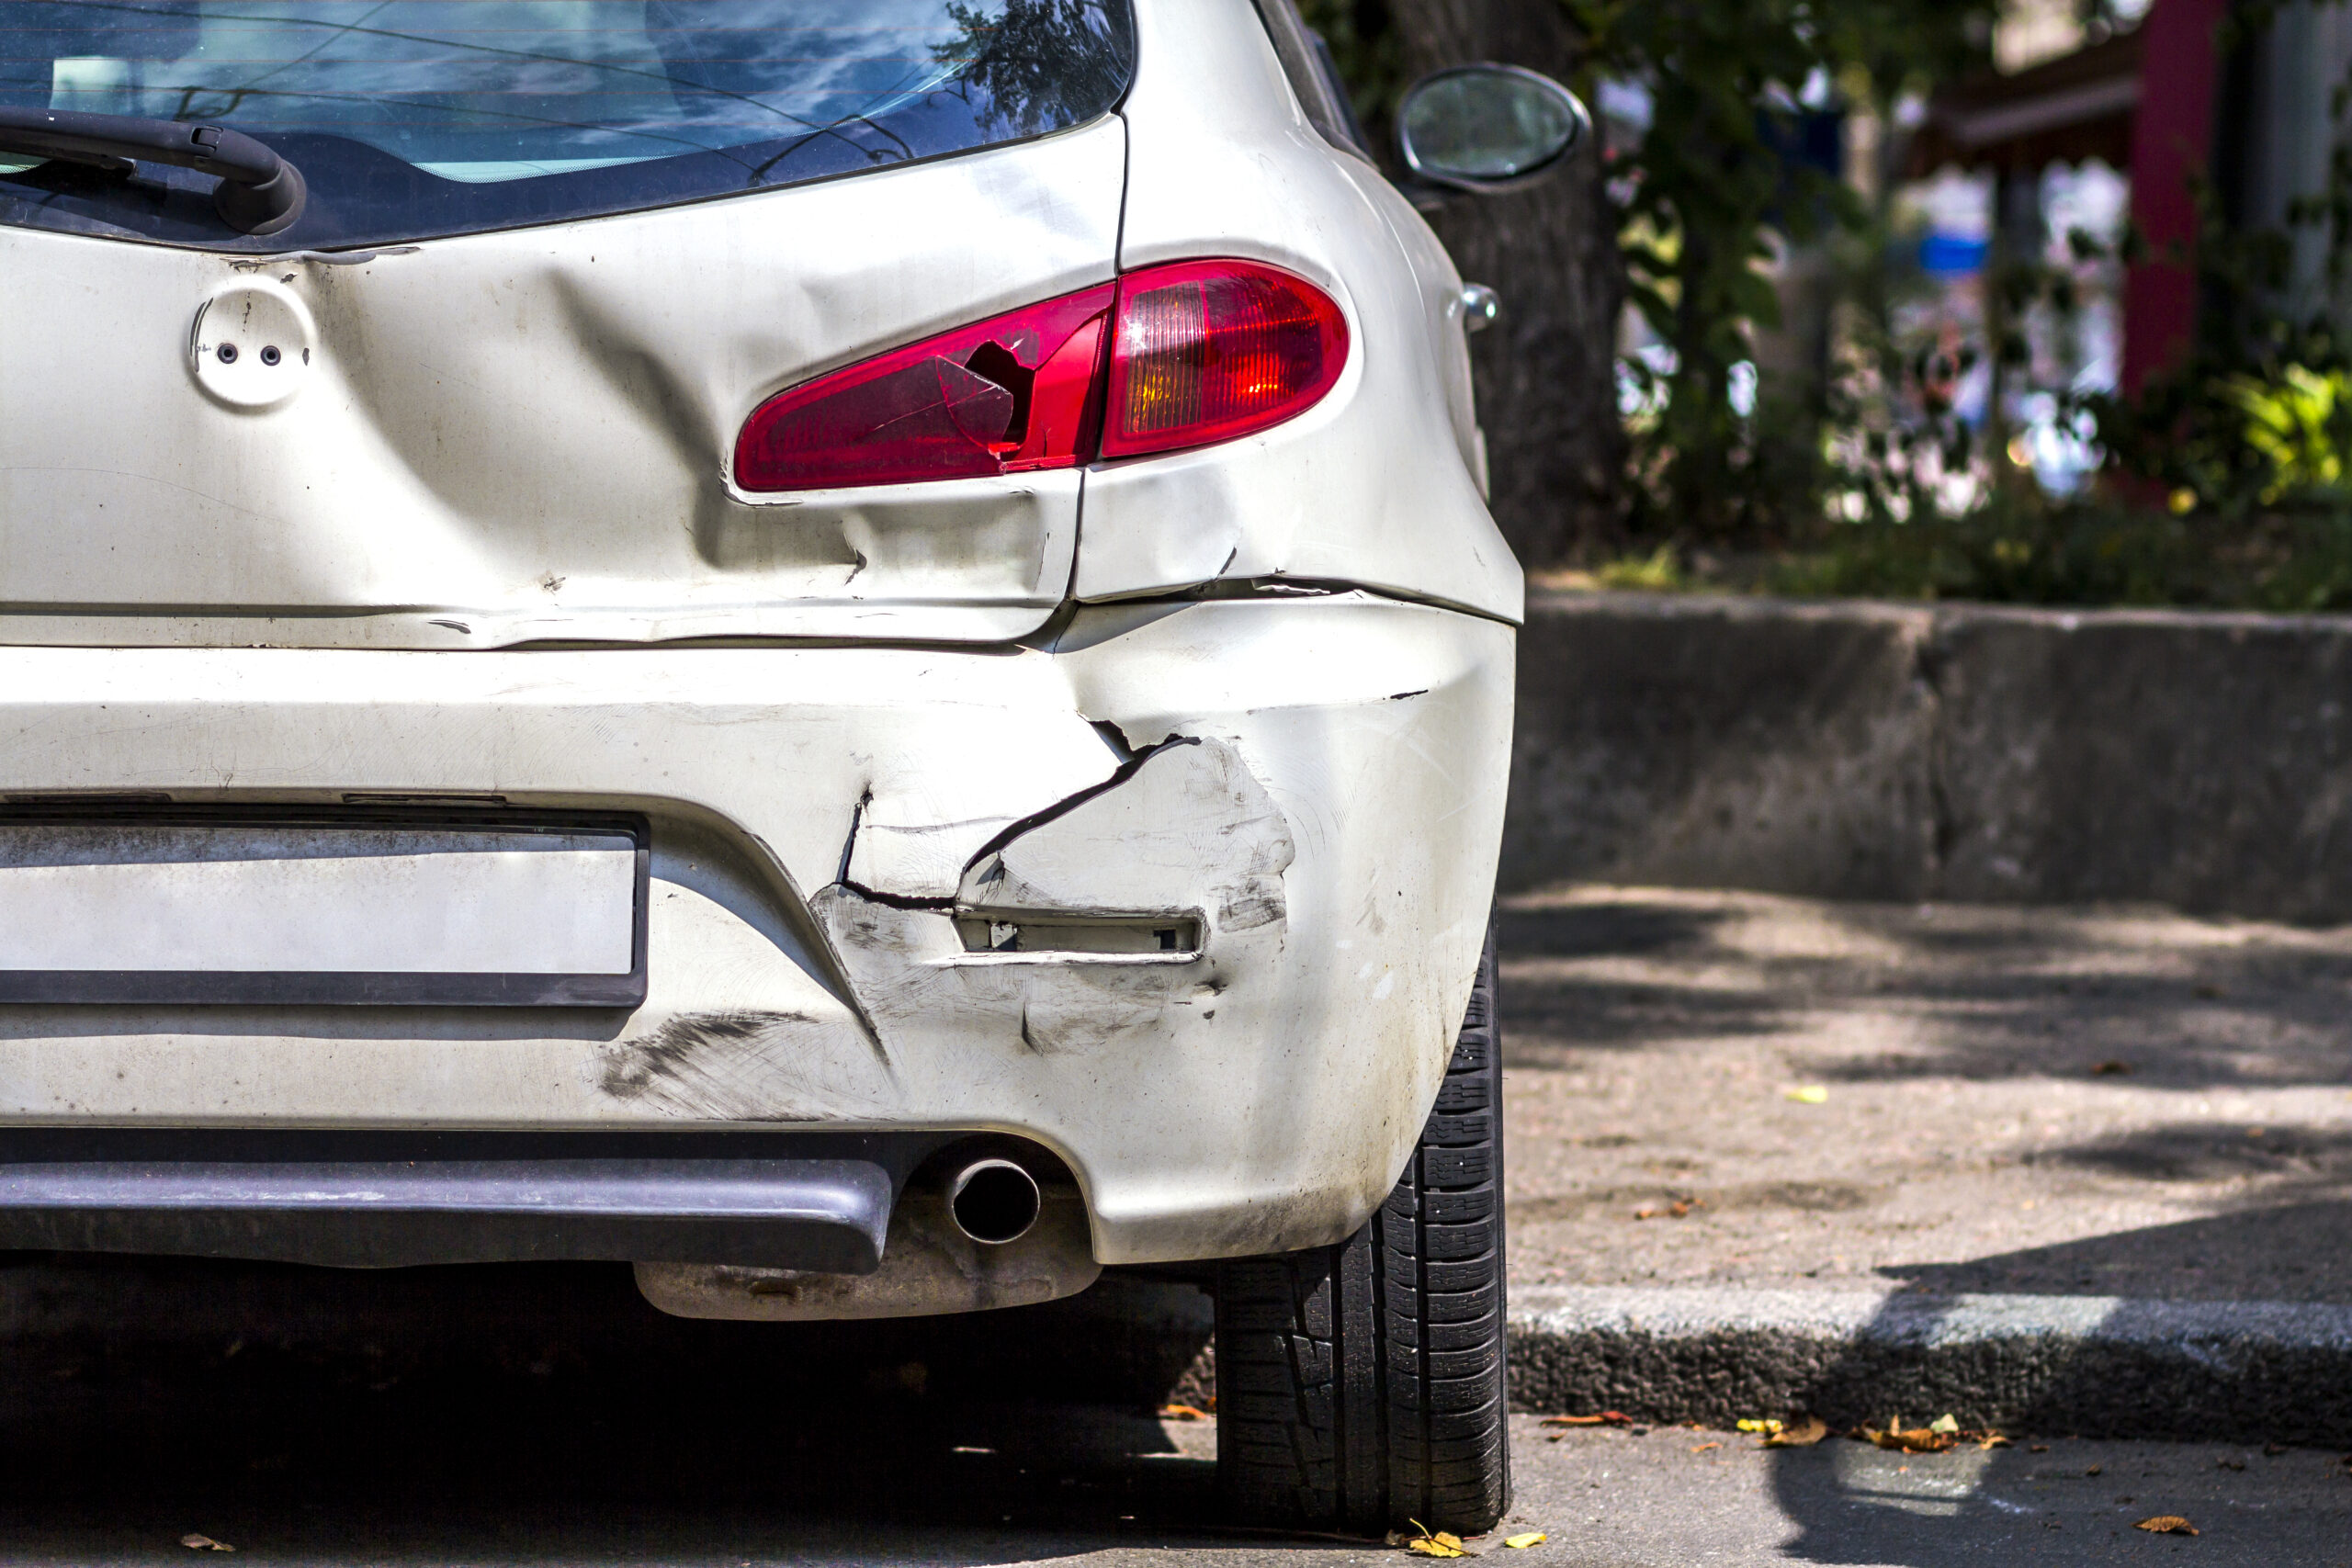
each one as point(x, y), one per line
point(2048, 1101)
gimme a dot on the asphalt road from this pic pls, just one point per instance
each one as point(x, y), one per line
point(294, 1461)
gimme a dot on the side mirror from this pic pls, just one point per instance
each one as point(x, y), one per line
point(1487, 127)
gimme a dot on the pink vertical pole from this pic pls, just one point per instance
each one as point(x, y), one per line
point(2172, 145)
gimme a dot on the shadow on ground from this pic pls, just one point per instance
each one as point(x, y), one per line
point(1607, 925)
point(2073, 1503)
point(1989, 993)
point(547, 1415)
point(2293, 1252)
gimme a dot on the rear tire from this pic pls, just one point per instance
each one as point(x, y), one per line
point(1362, 1386)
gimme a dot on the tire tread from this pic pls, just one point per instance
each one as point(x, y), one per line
point(1368, 1379)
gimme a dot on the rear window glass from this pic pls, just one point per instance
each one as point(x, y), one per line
point(416, 118)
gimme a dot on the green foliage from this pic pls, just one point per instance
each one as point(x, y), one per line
point(1710, 194)
point(1364, 46)
point(2226, 483)
point(1706, 196)
point(2229, 480)
point(2299, 424)
point(2230, 426)
point(2020, 549)
point(1656, 571)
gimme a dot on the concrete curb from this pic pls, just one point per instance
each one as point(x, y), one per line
point(2094, 1365)
point(1956, 752)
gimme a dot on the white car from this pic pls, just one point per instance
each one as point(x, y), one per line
point(848, 650)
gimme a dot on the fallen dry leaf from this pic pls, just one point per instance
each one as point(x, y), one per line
point(1434, 1543)
point(2095, 1470)
point(1606, 1419)
point(1913, 1440)
point(1798, 1434)
point(1989, 1439)
point(1531, 1537)
point(195, 1543)
point(1183, 1413)
point(1703, 1448)
point(2166, 1524)
point(1810, 1094)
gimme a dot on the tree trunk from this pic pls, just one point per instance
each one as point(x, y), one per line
point(1545, 371)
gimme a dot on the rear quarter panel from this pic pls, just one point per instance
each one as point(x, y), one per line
point(1379, 484)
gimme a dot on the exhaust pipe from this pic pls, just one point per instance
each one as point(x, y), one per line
point(993, 1202)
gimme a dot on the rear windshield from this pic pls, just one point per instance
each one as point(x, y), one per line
point(416, 118)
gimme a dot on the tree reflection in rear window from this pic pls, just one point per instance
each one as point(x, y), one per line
point(417, 117)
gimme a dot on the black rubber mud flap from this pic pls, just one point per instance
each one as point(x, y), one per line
point(1362, 1386)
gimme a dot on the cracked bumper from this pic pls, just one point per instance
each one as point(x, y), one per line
point(1192, 895)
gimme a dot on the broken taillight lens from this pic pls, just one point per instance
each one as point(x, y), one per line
point(1207, 351)
point(1009, 393)
point(1197, 352)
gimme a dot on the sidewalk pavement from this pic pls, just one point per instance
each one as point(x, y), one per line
point(2060, 1169)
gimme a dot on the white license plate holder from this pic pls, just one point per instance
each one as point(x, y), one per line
point(372, 909)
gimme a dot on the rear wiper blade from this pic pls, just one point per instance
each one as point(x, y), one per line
point(259, 193)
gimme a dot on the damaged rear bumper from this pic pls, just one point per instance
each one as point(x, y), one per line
point(1190, 894)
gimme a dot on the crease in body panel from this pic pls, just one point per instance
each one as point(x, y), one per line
point(1119, 775)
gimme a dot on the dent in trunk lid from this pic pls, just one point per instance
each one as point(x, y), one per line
point(523, 435)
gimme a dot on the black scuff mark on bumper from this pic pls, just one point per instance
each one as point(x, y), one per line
point(744, 1065)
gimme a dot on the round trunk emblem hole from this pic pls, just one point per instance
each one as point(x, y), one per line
point(251, 343)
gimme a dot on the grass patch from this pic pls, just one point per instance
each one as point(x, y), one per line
point(2089, 554)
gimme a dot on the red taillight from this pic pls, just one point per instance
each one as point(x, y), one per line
point(1199, 352)
point(998, 395)
point(1206, 351)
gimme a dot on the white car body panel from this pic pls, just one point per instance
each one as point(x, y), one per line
point(1378, 485)
point(942, 707)
point(1257, 1096)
